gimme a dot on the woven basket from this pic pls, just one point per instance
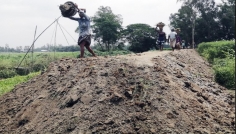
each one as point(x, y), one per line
point(160, 24)
point(68, 9)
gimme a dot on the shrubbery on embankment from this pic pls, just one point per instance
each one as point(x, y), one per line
point(221, 55)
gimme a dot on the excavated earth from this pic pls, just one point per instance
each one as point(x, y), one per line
point(167, 93)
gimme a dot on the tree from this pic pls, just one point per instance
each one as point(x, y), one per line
point(2, 49)
point(213, 22)
point(207, 19)
point(226, 19)
point(193, 6)
point(141, 37)
point(6, 47)
point(19, 48)
point(196, 6)
point(106, 27)
point(182, 20)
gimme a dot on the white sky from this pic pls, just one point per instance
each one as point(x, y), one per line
point(20, 17)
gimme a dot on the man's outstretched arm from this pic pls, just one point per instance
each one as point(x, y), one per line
point(73, 18)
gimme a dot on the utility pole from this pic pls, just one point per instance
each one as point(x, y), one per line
point(32, 50)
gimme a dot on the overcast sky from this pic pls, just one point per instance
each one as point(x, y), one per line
point(20, 17)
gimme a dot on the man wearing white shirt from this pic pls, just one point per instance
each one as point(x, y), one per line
point(172, 39)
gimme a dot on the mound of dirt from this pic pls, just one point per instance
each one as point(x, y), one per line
point(174, 93)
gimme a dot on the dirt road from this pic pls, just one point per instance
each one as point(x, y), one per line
point(144, 58)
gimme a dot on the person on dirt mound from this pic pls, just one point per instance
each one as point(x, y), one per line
point(178, 39)
point(161, 35)
point(84, 31)
point(172, 39)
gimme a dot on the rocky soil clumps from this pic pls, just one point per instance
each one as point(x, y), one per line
point(113, 95)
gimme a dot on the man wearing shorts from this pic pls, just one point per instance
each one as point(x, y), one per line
point(161, 39)
point(84, 32)
point(172, 39)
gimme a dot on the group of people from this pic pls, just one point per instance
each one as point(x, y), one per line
point(84, 39)
point(173, 39)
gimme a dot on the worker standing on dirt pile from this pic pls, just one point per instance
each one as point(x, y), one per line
point(172, 38)
point(178, 39)
point(84, 31)
point(161, 36)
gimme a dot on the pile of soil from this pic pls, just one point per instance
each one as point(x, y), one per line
point(174, 94)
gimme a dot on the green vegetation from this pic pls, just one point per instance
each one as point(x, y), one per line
point(222, 55)
point(106, 26)
point(40, 61)
point(6, 85)
point(207, 20)
point(141, 37)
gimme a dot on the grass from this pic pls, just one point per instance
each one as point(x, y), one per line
point(6, 85)
point(221, 55)
point(11, 60)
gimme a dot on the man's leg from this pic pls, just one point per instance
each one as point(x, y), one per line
point(173, 45)
point(82, 49)
point(177, 45)
point(90, 50)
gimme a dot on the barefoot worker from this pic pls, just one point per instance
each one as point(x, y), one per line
point(161, 38)
point(178, 39)
point(84, 31)
point(172, 39)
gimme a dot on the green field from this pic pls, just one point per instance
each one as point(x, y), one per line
point(37, 62)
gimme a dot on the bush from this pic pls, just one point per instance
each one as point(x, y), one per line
point(38, 67)
point(7, 73)
point(22, 71)
point(225, 76)
point(220, 49)
point(222, 55)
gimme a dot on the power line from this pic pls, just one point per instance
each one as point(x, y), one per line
point(55, 39)
point(68, 33)
point(63, 34)
point(33, 49)
point(52, 35)
point(65, 37)
point(36, 39)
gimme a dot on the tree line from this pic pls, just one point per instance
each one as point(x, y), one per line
point(199, 21)
point(205, 21)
